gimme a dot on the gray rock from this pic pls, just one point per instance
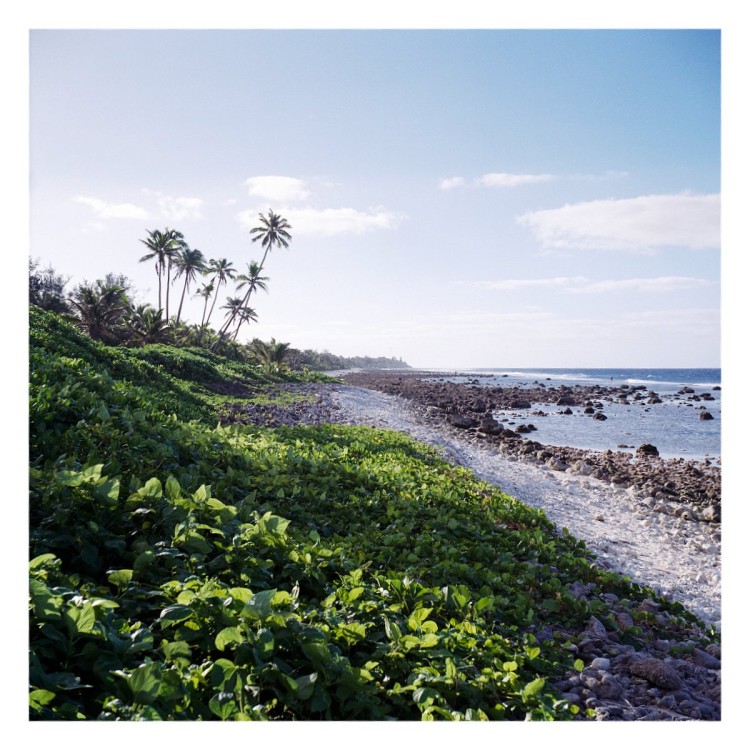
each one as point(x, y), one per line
point(656, 672)
point(596, 629)
point(705, 660)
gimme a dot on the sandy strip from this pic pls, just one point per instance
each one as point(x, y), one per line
point(679, 559)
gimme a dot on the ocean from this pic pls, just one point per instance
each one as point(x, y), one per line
point(673, 426)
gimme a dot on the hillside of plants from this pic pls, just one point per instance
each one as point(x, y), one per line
point(184, 570)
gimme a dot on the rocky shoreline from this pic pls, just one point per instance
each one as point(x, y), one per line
point(684, 488)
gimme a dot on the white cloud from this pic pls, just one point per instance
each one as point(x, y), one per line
point(277, 188)
point(639, 224)
point(495, 180)
point(104, 210)
point(658, 284)
point(509, 284)
point(503, 179)
point(452, 182)
point(582, 285)
point(328, 222)
point(179, 208)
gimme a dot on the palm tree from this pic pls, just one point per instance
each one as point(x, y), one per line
point(252, 280)
point(233, 307)
point(205, 291)
point(244, 314)
point(163, 247)
point(221, 271)
point(273, 231)
point(271, 354)
point(99, 309)
point(147, 325)
point(189, 263)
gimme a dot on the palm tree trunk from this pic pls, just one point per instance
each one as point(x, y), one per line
point(182, 299)
point(169, 270)
point(211, 312)
point(203, 319)
point(158, 276)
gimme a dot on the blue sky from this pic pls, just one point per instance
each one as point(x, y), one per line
point(458, 198)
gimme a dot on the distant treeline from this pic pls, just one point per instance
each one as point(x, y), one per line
point(323, 361)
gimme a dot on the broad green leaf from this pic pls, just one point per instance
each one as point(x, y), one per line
point(41, 561)
point(195, 542)
point(144, 682)
point(177, 651)
point(45, 604)
point(578, 665)
point(241, 594)
point(425, 696)
point(152, 488)
point(532, 688)
point(174, 614)
point(306, 685)
point(228, 636)
point(80, 619)
point(410, 641)
point(172, 488)
point(40, 698)
point(354, 632)
point(68, 478)
point(92, 473)
point(417, 617)
point(271, 524)
point(223, 705)
point(354, 594)
point(109, 492)
point(202, 493)
point(450, 669)
point(120, 577)
point(260, 605)
point(264, 644)
point(392, 630)
point(318, 653)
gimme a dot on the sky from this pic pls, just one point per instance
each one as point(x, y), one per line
point(458, 198)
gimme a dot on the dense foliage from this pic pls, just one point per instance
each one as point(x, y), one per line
point(326, 361)
point(184, 570)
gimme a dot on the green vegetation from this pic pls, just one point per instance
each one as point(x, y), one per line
point(184, 570)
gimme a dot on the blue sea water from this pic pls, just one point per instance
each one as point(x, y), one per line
point(673, 426)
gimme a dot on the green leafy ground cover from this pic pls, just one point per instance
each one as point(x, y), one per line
point(184, 570)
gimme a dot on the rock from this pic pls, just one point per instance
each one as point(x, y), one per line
point(601, 417)
point(490, 426)
point(705, 415)
point(596, 629)
point(462, 421)
point(520, 405)
point(647, 450)
point(705, 660)
point(656, 672)
point(566, 400)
